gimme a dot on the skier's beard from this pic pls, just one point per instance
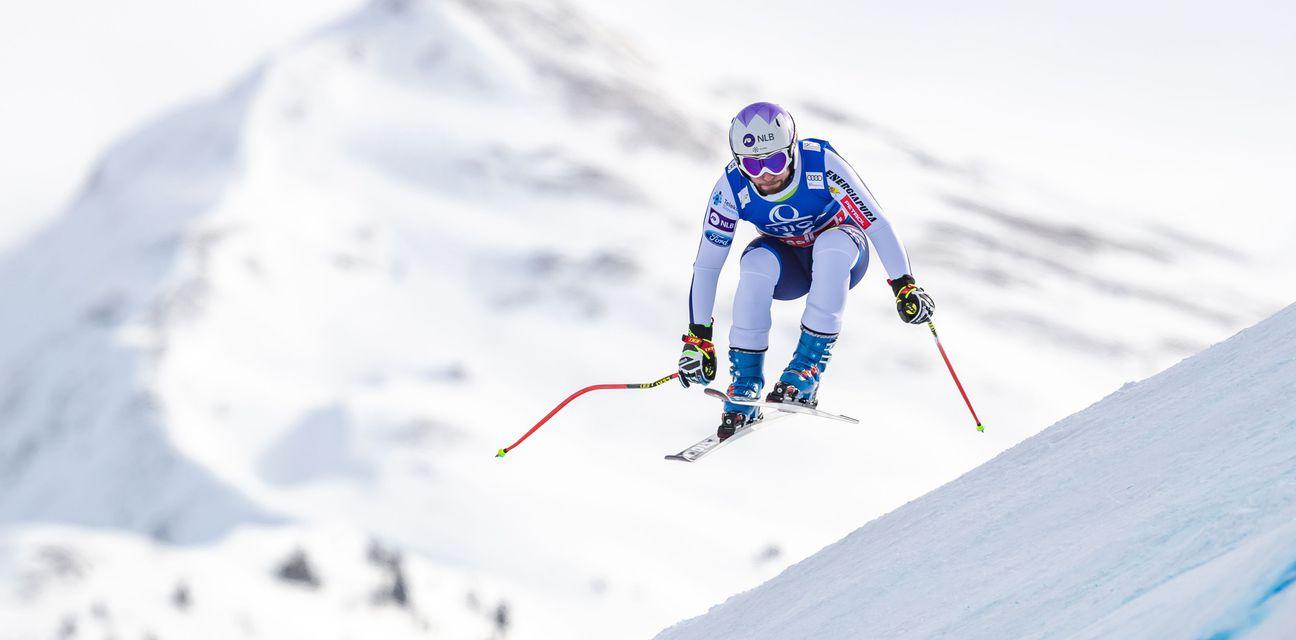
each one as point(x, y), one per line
point(767, 184)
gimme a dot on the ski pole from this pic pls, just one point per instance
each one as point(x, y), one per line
point(595, 387)
point(979, 427)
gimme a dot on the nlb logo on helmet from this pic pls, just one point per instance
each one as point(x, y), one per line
point(761, 128)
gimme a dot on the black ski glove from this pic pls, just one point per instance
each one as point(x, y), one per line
point(913, 304)
point(698, 361)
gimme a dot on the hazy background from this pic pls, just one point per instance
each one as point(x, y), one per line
point(268, 271)
point(1159, 106)
point(76, 76)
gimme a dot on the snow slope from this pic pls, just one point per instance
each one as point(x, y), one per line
point(1166, 510)
point(312, 308)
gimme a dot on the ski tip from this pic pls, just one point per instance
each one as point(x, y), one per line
point(500, 453)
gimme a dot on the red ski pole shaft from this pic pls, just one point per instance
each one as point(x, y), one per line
point(932, 326)
point(595, 387)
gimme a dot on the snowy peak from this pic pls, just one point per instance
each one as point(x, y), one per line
point(122, 296)
point(526, 58)
point(1163, 511)
point(595, 72)
point(85, 433)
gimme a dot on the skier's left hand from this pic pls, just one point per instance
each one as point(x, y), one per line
point(913, 304)
point(698, 361)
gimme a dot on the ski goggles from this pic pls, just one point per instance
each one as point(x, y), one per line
point(774, 162)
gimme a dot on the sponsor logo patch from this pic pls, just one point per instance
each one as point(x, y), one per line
point(718, 239)
point(786, 221)
point(811, 146)
point(749, 140)
point(716, 199)
point(784, 213)
point(719, 221)
point(839, 216)
point(850, 200)
point(814, 179)
point(733, 166)
point(744, 198)
point(855, 213)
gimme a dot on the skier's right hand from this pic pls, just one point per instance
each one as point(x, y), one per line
point(698, 361)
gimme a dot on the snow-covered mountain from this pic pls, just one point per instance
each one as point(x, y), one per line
point(290, 324)
point(1166, 510)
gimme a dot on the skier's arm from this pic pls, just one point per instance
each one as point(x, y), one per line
point(697, 363)
point(912, 302)
point(855, 198)
point(713, 249)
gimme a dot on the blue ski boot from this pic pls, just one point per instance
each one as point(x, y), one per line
point(800, 380)
point(748, 371)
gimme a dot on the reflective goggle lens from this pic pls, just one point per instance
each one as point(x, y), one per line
point(775, 162)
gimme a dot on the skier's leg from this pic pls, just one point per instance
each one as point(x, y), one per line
point(836, 253)
point(759, 270)
point(760, 267)
point(839, 260)
point(861, 265)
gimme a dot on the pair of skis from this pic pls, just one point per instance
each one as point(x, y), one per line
point(711, 443)
point(707, 445)
point(780, 410)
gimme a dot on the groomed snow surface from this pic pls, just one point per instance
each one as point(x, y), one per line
point(1167, 510)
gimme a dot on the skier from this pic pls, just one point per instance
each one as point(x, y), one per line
point(813, 213)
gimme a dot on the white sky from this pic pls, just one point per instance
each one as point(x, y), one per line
point(1161, 107)
point(75, 75)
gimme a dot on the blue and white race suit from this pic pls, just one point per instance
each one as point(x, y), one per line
point(812, 244)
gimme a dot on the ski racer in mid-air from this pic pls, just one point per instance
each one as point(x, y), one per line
point(813, 213)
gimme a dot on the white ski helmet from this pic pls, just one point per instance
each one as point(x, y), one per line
point(761, 128)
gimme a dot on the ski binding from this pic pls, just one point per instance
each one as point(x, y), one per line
point(786, 407)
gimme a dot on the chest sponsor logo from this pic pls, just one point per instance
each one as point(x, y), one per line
point(811, 146)
point(744, 198)
point(814, 179)
point(718, 239)
point(850, 200)
point(719, 221)
point(785, 220)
